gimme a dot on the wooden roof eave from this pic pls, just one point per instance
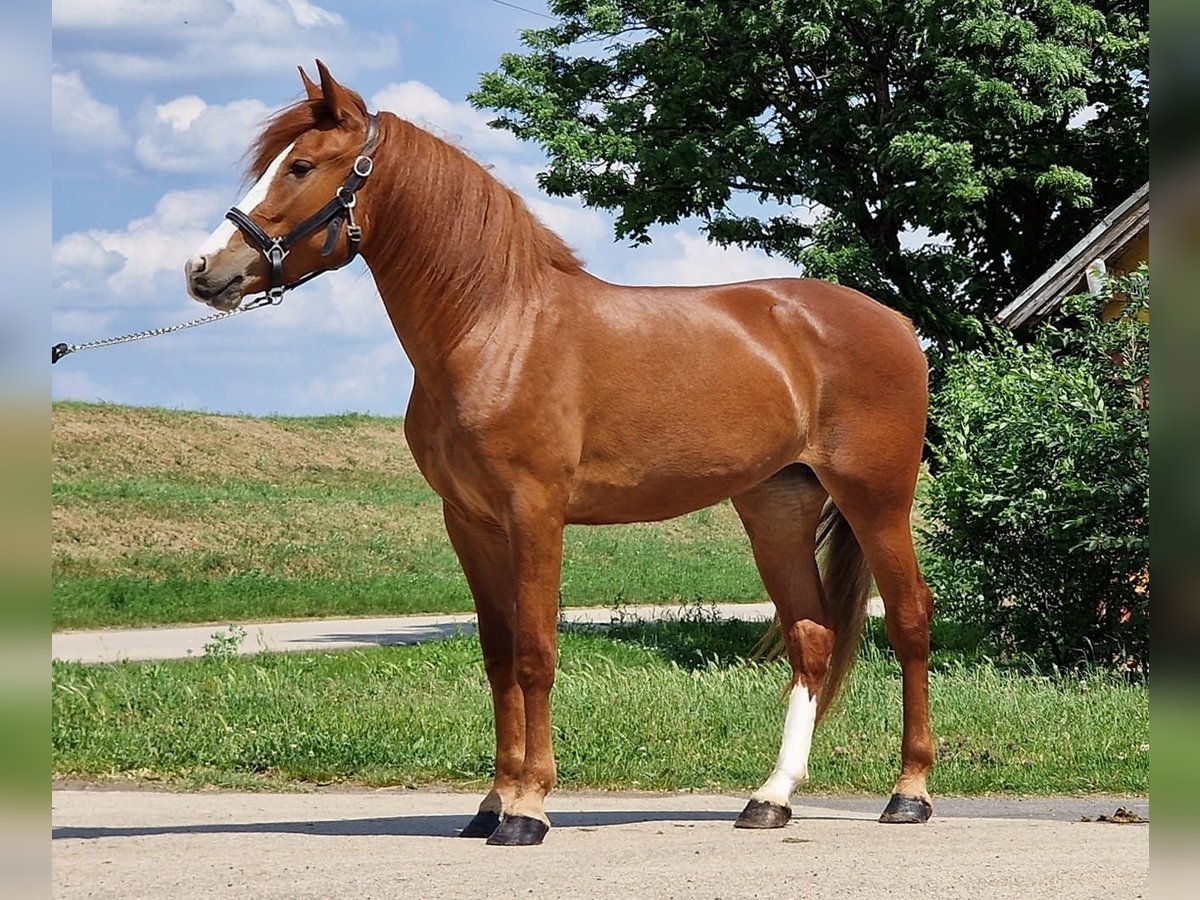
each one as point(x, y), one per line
point(1112, 233)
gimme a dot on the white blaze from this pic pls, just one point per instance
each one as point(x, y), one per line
point(219, 238)
point(792, 766)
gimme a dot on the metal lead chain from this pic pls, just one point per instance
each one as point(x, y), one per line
point(58, 351)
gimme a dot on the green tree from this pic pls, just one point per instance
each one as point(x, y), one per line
point(958, 121)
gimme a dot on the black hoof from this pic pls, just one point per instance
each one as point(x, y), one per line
point(763, 814)
point(518, 831)
point(482, 825)
point(902, 810)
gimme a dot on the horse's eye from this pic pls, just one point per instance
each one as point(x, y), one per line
point(300, 168)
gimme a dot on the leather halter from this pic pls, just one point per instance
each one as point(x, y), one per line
point(338, 210)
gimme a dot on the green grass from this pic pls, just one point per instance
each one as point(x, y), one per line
point(668, 706)
point(164, 517)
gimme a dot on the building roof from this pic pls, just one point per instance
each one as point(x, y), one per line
point(1064, 278)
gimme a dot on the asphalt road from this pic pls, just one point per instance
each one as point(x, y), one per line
point(395, 843)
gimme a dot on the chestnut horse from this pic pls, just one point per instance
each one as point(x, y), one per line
point(544, 396)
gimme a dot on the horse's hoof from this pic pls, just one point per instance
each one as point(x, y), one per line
point(763, 814)
point(903, 810)
point(518, 831)
point(482, 825)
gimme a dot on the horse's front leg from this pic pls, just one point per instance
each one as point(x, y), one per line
point(535, 531)
point(484, 553)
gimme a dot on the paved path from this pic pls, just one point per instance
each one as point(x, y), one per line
point(377, 844)
point(110, 645)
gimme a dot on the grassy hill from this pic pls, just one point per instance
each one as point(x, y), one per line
point(164, 517)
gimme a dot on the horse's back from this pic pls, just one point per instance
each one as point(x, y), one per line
point(821, 342)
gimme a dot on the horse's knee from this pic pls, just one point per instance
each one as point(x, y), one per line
point(534, 664)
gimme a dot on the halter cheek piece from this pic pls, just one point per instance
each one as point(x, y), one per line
point(333, 214)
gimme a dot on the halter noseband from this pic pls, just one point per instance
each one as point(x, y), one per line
point(338, 210)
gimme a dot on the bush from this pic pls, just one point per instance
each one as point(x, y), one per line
point(1039, 514)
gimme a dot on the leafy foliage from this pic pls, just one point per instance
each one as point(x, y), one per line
point(1040, 511)
point(956, 119)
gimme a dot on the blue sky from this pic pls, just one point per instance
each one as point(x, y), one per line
point(154, 104)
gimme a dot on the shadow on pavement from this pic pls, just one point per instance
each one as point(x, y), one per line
point(1069, 809)
point(398, 826)
point(410, 635)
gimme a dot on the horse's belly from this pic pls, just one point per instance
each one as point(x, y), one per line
point(678, 444)
point(593, 504)
point(665, 484)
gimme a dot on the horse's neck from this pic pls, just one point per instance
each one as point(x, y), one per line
point(453, 299)
point(451, 338)
point(429, 328)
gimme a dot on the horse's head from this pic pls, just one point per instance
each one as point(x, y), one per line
point(298, 219)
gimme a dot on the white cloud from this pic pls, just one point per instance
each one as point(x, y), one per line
point(1085, 115)
point(128, 261)
point(79, 259)
point(373, 380)
point(459, 123)
point(691, 260)
point(343, 303)
point(68, 384)
point(519, 175)
point(189, 135)
point(129, 15)
point(181, 112)
point(574, 223)
point(920, 238)
point(82, 123)
point(309, 15)
point(168, 41)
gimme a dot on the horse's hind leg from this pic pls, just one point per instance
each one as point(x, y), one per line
point(781, 516)
point(878, 509)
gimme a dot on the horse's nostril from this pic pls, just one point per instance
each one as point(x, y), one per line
point(197, 264)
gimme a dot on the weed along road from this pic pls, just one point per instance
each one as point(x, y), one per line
point(376, 844)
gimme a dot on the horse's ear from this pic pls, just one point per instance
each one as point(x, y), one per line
point(337, 99)
point(313, 92)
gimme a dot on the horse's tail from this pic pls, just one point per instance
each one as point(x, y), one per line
point(846, 582)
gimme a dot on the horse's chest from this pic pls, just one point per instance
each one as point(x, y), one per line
point(442, 460)
point(459, 464)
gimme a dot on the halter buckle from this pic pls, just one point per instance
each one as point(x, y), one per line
point(272, 297)
point(363, 166)
point(347, 197)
